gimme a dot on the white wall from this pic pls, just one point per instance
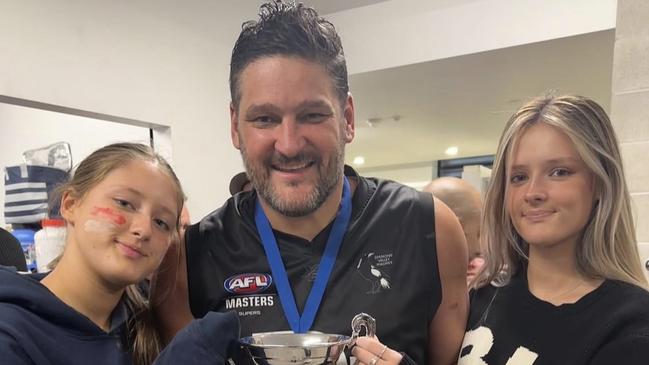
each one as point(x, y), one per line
point(478, 176)
point(160, 61)
point(167, 62)
point(402, 32)
point(23, 128)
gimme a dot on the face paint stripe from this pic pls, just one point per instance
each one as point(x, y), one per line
point(109, 214)
point(92, 225)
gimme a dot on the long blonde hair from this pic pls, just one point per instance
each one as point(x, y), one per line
point(608, 248)
point(144, 339)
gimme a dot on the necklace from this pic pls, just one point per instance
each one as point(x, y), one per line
point(564, 293)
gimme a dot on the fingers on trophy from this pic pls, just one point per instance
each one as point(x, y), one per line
point(370, 351)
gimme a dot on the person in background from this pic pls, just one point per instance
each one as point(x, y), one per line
point(122, 208)
point(185, 220)
point(310, 230)
point(562, 283)
point(240, 182)
point(11, 252)
point(465, 201)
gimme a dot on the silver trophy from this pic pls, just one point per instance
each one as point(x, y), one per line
point(313, 348)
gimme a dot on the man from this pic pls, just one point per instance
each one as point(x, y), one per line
point(239, 182)
point(465, 201)
point(371, 245)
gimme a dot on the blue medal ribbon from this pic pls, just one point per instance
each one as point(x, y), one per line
point(301, 324)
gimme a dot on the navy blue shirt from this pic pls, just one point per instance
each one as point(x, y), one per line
point(38, 328)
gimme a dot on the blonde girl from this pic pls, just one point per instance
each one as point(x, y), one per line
point(562, 282)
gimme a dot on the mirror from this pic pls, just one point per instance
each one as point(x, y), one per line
point(28, 125)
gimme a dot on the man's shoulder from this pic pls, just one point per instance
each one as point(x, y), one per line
point(383, 189)
point(383, 183)
point(234, 209)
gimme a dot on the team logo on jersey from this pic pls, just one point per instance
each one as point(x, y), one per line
point(249, 283)
point(374, 268)
point(311, 272)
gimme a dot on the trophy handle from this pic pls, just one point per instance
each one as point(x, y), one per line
point(363, 320)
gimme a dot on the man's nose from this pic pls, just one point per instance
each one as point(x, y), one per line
point(289, 140)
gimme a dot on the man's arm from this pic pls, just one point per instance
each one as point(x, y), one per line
point(169, 293)
point(447, 328)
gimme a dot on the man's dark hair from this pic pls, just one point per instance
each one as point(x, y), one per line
point(288, 29)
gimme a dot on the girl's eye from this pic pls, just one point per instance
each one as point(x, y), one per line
point(162, 224)
point(517, 178)
point(560, 172)
point(124, 204)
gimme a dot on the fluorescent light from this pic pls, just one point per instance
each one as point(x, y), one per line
point(452, 151)
point(359, 160)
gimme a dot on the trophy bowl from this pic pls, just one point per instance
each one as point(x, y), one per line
point(312, 348)
point(288, 348)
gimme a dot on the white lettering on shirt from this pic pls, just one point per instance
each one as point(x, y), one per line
point(480, 341)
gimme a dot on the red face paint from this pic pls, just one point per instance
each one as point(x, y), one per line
point(109, 214)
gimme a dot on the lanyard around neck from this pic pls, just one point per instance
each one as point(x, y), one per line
point(301, 324)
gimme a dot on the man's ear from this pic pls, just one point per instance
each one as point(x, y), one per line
point(69, 203)
point(348, 114)
point(234, 124)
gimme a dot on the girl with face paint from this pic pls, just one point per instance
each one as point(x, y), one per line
point(122, 209)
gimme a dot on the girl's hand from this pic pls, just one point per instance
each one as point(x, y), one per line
point(369, 351)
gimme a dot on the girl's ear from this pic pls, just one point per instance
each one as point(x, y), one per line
point(68, 205)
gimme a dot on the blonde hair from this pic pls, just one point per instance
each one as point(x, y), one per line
point(144, 339)
point(607, 249)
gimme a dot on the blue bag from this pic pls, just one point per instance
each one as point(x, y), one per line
point(28, 190)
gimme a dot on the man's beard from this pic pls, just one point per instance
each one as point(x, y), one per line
point(327, 178)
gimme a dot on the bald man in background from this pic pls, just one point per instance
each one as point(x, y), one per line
point(465, 201)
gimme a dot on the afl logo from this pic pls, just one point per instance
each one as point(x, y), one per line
point(247, 283)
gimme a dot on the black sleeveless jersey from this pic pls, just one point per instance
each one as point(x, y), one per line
point(386, 267)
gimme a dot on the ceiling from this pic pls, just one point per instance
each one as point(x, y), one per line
point(333, 6)
point(325, 7)
point(465, 101)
